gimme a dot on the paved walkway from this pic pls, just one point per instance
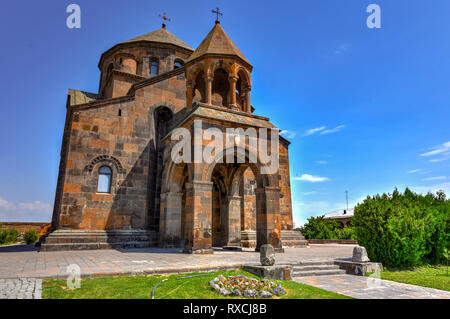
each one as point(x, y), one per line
point(25, 288)
point(26, 262)
point(372, 288)
point(23, 267)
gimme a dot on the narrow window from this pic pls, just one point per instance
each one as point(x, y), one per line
point(154, 68)
point(104, 180)
point(177, 65)
point(120, 112)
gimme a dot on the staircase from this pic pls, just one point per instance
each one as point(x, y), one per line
point(61, 240)
point(316, 268)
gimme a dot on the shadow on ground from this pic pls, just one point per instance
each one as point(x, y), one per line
point(17, 248)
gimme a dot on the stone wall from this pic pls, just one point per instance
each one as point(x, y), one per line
point(121, 135)
point(143, 54)
point(23, 227)
point(285, 187)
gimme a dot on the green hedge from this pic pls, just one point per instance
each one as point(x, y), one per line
point(30, 236)
point(8, 236)
point(320, 228)
point(403, 229)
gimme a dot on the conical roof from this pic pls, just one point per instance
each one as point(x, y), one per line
point(217, 42)
point(161, 36)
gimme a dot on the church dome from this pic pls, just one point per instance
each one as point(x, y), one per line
point(161, 36)
point(217, 42)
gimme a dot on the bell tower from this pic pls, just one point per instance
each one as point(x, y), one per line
point(217, 73)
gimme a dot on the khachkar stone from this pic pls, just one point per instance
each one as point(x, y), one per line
point(267, 256)
point(360, 254)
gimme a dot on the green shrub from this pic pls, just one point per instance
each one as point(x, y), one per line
point(346, 233)
point(8, 236)
point(320, 228)
point(30, 236)
point(402, 230)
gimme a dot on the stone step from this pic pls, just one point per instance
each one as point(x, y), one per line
point(315, 263)
point(319, 273)
point(96, 239)
point(315, 267)
point(93, 246)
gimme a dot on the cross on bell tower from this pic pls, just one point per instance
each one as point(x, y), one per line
point(164, 19)
point(217, 12)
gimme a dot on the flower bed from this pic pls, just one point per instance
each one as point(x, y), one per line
point(239, 286)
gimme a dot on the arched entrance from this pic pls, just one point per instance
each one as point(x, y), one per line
point(202, 205)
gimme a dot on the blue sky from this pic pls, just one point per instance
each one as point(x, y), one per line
point(366, 110)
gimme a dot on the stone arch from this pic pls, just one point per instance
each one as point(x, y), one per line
point(220, 87)
point(105, 159)
point(173, 205)
point(257, 168)
point(267, 203)
point(126, 62)
point(199, 87)
point(220, 65)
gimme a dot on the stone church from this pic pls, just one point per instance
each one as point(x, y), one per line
point(118, 185)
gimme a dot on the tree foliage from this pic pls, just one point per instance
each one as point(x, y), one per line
point(30, 236)
point(320, 228)
point(403, 229)
point(8, 236)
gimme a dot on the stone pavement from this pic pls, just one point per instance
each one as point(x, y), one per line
point(372, 288)
point(24, 261)
point(23, 288)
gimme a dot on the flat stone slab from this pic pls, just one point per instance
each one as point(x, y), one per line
point(21, 288)
point(372, 288)
point(279, 272)
point(359, 268)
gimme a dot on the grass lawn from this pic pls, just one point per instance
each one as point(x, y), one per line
point(140, 287)
point(426, 276)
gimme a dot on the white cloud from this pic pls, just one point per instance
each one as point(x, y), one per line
point(309, 193)
point(334, 130)
point(322, 162)
point(414, 171)
point(314, 130)
point(288, 134)
point(439, 149)
point(36, 211)
point(445, 157)
point(311, 178)
point(436, 178)
point(433, 189)
point(341, 49)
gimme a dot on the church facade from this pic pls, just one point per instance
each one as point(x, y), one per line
point(119, 184)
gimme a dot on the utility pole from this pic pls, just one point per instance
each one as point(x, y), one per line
point(346, 198)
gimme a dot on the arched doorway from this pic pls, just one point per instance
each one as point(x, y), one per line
point(201, 205)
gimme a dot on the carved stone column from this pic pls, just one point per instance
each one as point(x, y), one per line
point(233, 78)
point(198, 221)
point(248, 106)
point(208, 87)
point(232, 226)
point(268, 222)
point(189, 93)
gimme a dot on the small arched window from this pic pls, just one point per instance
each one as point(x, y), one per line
point(177, 65)
point(104, 180)
point(154, 67)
